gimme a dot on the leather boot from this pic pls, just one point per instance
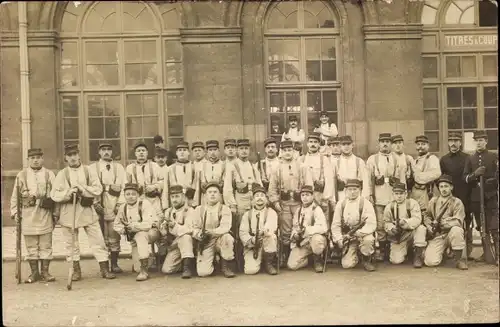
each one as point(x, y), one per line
point(143, 273)
point(318, 263)
point(161, 261)
point(35, 275)
point(186, 268)
point(417, 257)
point(77, 271)
point(468, 240)
point(154, 265)
point(269, 259)
point(105, 273)
point(45, 276)
point(459, 261)
point(114, 263)
point(285, 253)
point(228, 268)
point(380, 251)
point(367, 263)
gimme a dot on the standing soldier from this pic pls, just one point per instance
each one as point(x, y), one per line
point(444, 220)
point(335, 152)
point(177, 229)
point(426, 171)
point(137, 220)
point(269, 163)
point(405, 161)
point(112, 178)
point(403, 224)
point(349, 167)
point(258, 235)
point(284, 193)
point(320, 174)
point(484, 163)
point(161, 157)
point(294, 133)
point(38, 214)
point(383, 171)
point(353, 226)
point(183, 173)
point(212, 230)
point(453, 164)
point(326, 130)
point(213, 169)
point(80, 181)
point(308, 233)
point(230, 150)
point(198, 149)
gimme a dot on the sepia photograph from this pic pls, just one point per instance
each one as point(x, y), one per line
point(249, 163)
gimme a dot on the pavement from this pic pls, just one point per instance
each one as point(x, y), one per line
point(391, 295)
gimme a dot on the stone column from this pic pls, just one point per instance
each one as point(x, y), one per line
point(393, 82)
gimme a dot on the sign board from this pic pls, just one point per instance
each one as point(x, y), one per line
point(472, 40)
point(469, 146)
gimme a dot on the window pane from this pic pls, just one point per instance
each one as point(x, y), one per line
point(101, 52)
point(150, 104)
point(431, 120)
point(102, 75)
point(112, 127)
point(312, 121)
point(141, 74)
point(102, 18)
point(455, 119)
point(328, 48)
point(70, 106)
point(490, 65)
point(453, 14)
point(470, 118)
point(175, 126)
point(490, 96)
point(95, 106)
point(274, 68)
point(430, 98)
point(330, 100)
point(70, 127)
point(430, 68)
point(291, 21)
point(174, 103)
point(492, 139)
point(277, 102)
point(310, 20)
point(173, 73)
point(173, 51)
point(314, 101)
point(488, 13)
point(313, 70)
point(291, 72)
point(469, 97)
point(467, 15)
point(292, 101)
point(329, 70)
point(433, 141)
point(468, 66)
point(173, 142)
point(134, 127)
point(454, 97)
point(453, 66)
point(291, 49)
point(133, 104)
point(132, 51)
point(112, 105)
point(69, 75)
point(136, 17)
point(491, 117)
point(279, 14)
point(313, 49)
point(96, 128)
point(149, 126)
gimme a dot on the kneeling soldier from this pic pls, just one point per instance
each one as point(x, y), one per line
point(211, 228)
point(353, 225)
point(34, 184)
point(177, 228)
point(258, 234)
point(444, 219)
point(403, 225)
point(308, 233)
point(136, 219)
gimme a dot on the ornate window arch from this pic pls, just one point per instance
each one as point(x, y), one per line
point(302, 50)
point(120, 77)
point(460, 68)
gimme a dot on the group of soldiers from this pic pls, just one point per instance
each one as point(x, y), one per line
point(287, 209)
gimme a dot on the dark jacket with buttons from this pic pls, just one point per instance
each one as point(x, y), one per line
point(453, 164)
point(490, 161)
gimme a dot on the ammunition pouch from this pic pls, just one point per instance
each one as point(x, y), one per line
point(86, 202)
point(345, 229)
point(153, 194)
point(393, 180)
point(130, 236)
point(429, 235)
point(243, 190)
point(410, 182)
point(99, 209)
point(190, 193)
point(47, 203)
point(265, 184)
point(420, 186)
point(319, 186)
point(290, 195)
point(114, 193)
point(379, 180)
point(28, 202)
point(340, 185)
point(169, 239)
point(141, 190)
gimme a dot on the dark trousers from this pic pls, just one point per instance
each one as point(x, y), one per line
point(490, 213)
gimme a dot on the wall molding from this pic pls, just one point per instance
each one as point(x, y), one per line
point(393, 32)
point(37, 39)
point(211, 35)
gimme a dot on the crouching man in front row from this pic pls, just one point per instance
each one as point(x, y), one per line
point(136, 219)
point(177, 228)
point(211, 228)
point(403, 225)
point(308, 233)
point(258, 234)
point(353, 225)
point(444, 219)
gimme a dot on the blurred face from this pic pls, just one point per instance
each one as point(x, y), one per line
point(73, 159)
point(230, 151)
point(177, 200)
point(243, 152)
point(35, 161)
point(481, 143)
point(398, 147)
point(213, 153)
point(198, 153)
point(131, 196)
point(399, 196)
point(275, 127)
point(212, 195)
point(182, 154)
point(306, 197)
point(259, 199)
point(271, 150)
point(105, 153)
point(422, 148)
point(336, 148)
point(384, 146)
point(445, 189)
point(352, 192)
point(141, 153)
point(454, 145)
point(346, 148)
point(161, 160)
point(313, 145)
point(293, 124)
point(287, 153)
point(323, 119)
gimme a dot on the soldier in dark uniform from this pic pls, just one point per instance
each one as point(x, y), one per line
point(453, 164)
point(484, 163)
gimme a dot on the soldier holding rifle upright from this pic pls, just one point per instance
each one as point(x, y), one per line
point(38, 214)
point(269, 163)
point(214, 169)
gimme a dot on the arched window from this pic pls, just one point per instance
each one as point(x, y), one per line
point(120, 75)
point(460, 69)
point(302, 60)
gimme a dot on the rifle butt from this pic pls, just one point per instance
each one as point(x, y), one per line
point(18, 252)
point(489, 256)
point(69, 284)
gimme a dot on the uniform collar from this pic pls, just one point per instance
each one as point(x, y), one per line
point(384, 154)
point(36, 170)
point(214, 162)
point(141, 164)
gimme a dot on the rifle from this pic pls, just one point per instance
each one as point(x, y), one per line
point(18, 232)
point(399, 230)
point(263, 176)
point(203, 237)
point(73, 241)
point(350, 235)
point(280, 246)
point(256, 247)
point(489, 255)
point(301, 226)
point(436, 228)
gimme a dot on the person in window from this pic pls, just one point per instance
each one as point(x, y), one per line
point(294, 133)
point(161, 155)
point(276, 128)
point(158, 141)
point(326, 129)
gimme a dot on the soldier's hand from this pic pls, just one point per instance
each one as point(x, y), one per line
point(241, 185)
point(72, 191)
point(115, 187)
point(393, 231)
point(171, 223)
point(154, 225)
point(480, 171)
point(404, 224)
point(340, 243)
point(371, 199)
point(55, 220)
point(115, 210)
point(278, 207)
point(233, 209)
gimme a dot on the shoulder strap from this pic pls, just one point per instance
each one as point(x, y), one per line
point(140, 210)
point(408, 211)
point(47, 182)
point(115, 172)
point(125, 210)
point(135, 173)
point(238, 171)
point(393, 207)
point(66, 173)
point(24, 177)
point(98, 171)
point(250, 212)
point(342, 208)
point(357, 166)
point(86, 172)
point(223, 170)
point(361, 205)
point(219, 213)
point(377, 162)
point(435, 208)
point(264, 170)
point(321, 168)
point(150, 172)
point(193, 171)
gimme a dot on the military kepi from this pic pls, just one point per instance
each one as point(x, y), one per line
point(175, 189)
point(385, 137)
point(140, 144)
point(422, 138)
point(333, 140)
point(269, 140)
point(182, 145)
point(286, 144)
point(212, 144)
point(105, 145)
point(71, 148)
point(35, 152)
point(397, 138)
point(446, 179)
point(230, 142)
point(454, 136)
point(198, 145)
point(257, 188)
point(353, 183)
point(480, 135)
point(160, 152)
point(243, 142)
point(346, 139)
point(315, 136)
point(398, 186)
point(306, 189)
point(131, 186)
point(212, 184)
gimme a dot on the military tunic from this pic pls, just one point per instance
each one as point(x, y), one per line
point(186, 175)
point(212, 172)
point(351, 167)
point(268, 166)
point(426, 170)
point(319, 171)
point(147, 174)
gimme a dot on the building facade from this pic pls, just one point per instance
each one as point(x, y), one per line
point(124, 71)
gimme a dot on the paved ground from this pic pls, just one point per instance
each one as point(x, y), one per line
point(393, 294)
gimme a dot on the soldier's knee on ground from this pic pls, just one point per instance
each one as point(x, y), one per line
point(349, 260)
point(226, 246)
point(251, 266)
point(397, 254)
point(204, 269)
point(457, 238)
point(270, 243)
point(318, 243)
point(295, 261)
point(367, 245)
point(431, 258)
point(419, 235)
